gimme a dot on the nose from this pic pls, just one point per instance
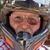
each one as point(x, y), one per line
point(25, 25)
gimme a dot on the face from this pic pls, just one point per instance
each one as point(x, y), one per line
point(24, 21)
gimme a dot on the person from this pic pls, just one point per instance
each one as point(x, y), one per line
point(23, 28)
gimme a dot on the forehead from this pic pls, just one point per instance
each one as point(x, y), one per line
point(24, 13)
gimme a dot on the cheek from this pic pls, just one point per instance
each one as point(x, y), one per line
point(35, 27)
point(12, 23)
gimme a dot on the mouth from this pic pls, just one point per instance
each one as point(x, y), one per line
point(21, 35)
point(22, 38)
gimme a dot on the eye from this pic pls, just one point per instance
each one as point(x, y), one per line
point(18, 19)
point(32, 21)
